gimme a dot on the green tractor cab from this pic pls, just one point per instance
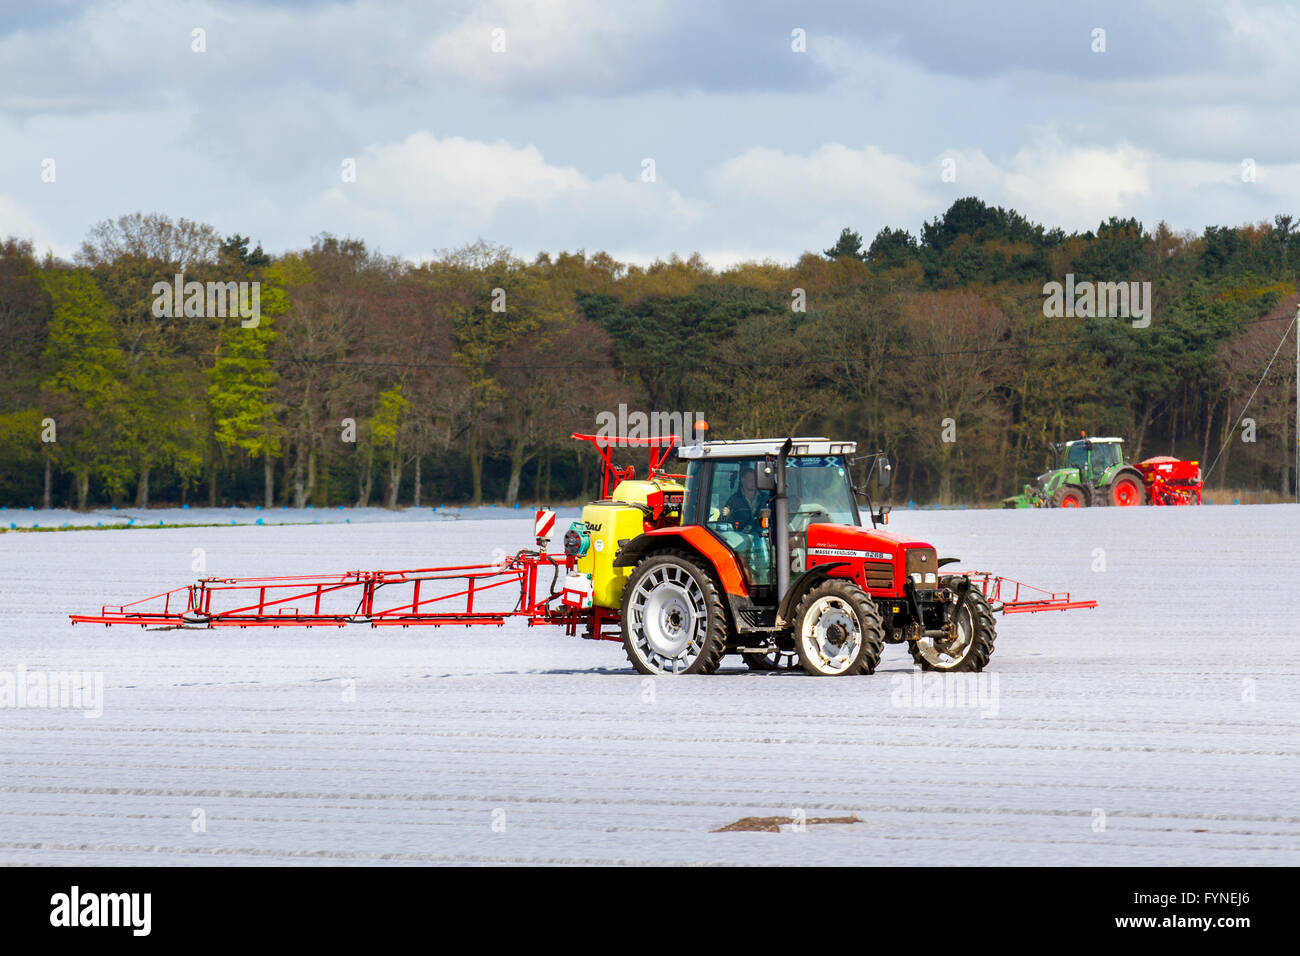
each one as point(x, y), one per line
point(1085, 472)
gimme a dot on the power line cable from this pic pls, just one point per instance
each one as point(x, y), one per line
point(1246, 407)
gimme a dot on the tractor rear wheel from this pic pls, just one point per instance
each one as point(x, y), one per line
point(1126, 490)
point(838, 630)
point(673, 620)
point(971, 647)
point(1070, 496)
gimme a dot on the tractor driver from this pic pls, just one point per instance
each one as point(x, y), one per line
point(742, 508)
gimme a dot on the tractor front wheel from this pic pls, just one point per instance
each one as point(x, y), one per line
point(673, 620)
point(1126, 490)
point(838, 630)
point(1070, 496)
point(971, 645)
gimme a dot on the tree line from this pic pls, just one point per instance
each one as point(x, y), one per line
point(367, 379)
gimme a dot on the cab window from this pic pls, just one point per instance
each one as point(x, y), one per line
point(735, 514)
point(1104, 456)
point(734, 499)
point(819, 491)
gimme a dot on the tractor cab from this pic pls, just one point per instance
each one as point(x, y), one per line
point(731, 492)
point(1093, 457)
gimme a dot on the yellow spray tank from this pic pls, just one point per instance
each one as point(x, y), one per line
point(634, 507)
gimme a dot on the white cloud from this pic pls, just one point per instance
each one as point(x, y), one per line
point(474, 178)
point(1076, 186)
point(16, 220)
point(141, 50)
point(831, 181)
point(762, 152)
point(1265, 35)
point(540, 42)
point(425, 193)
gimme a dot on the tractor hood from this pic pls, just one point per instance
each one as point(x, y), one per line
point(858, 542)
point(880, 561)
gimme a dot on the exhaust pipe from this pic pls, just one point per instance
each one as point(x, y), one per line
point(781, 536)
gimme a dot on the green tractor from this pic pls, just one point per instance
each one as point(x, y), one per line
point(1094, 473)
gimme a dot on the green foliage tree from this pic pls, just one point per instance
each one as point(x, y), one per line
point(497, 360)
point(235, 247)
point(241, 388)
point(241, 391)
point(892, 247)
point(385, 430)
point(85, 384)
point(848, 244)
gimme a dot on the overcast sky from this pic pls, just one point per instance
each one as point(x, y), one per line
point(759, 151)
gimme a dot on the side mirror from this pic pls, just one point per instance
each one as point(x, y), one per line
point(884, 472)
point(765, 476)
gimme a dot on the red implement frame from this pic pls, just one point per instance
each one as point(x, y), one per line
point(1171, 481)
point(424, 596)
point(1021, 598)
point(611, 474)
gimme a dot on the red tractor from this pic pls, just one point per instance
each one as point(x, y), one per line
point(770, 560)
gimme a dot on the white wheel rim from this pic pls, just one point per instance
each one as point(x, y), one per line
point(948, 654)
point(669, 619)
point(831, 635)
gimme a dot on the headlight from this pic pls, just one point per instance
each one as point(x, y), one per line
point(921, 565)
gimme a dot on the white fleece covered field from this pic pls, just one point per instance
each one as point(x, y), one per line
point(1161, 728)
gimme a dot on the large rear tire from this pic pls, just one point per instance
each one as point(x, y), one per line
point(973, 646)
point(1127, 490)
point(838, 630)
point(673, 620)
